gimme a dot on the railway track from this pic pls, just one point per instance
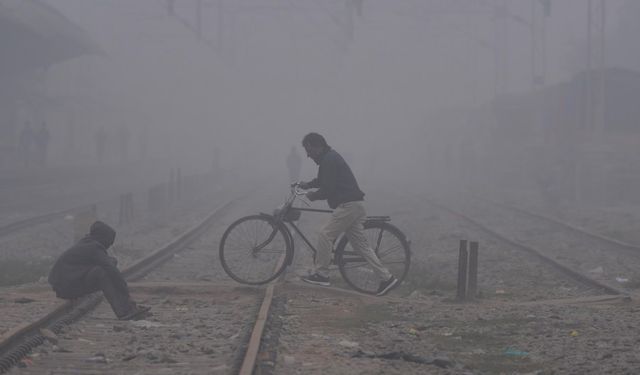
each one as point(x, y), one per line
point(204, 323)
point(571, 227)
point(38, 219)
point(591, 259)
point(20, 341)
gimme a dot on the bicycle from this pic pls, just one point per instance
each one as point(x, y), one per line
point(256, 249)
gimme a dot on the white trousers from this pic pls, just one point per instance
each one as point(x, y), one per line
point(347, 218)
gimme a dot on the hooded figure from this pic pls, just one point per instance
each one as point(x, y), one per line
point(87, 267)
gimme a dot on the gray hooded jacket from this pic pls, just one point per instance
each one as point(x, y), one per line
point(91, 251)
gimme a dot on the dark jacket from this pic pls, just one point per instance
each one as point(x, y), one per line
point(335, 182)
point(74, 264)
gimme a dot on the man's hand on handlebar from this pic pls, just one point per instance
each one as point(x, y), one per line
point(300, 186)
point(297, 189)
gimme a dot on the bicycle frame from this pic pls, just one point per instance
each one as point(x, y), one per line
point(281, 214)
point(280, 218)
point(299, 232)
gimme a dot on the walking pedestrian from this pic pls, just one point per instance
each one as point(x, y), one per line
point(42, 138)
point(27, 136)
point(337, 184)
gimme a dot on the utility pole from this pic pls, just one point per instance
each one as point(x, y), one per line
point(533, 45)
point(595, 109)
point(540, 10)
point(501, 31)
point(229, 14)
point(602, 102)
point(589, 87)
point(197, 28)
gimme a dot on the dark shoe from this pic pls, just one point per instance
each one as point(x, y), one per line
point(386, 286)
point(317, 280)
point(138, 313)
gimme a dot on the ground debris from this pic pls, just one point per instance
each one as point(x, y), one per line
point(440, 362)
point(97, 358)
point(24, 300)
point(49, 335)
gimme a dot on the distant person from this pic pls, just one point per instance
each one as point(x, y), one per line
point(86, 268)
point(123, 137)
point(294, 163)
point(337, 184)
point(42, 138)
point(27, 138)
point(100, 139)
point(143, 142)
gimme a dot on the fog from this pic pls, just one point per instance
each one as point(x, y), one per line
point(404, 89)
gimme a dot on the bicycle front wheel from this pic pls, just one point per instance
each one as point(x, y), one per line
point(254, 249)
point(391, 247)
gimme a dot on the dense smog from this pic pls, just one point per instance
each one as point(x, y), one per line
point(319, 186)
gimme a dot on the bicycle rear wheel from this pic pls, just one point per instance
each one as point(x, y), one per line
point(392, 248)
point(254, 249)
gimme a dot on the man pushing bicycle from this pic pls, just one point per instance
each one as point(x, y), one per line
point(337, 184)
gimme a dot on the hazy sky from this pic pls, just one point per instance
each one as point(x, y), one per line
point(288, 69)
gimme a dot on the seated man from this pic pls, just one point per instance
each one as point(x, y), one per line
point(86, 268)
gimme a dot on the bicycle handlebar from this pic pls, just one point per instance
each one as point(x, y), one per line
point(296, 189)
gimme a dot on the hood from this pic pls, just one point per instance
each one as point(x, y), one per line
point(102, 233)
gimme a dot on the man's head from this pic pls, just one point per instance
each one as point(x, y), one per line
point(102, 233)
point(314, 144)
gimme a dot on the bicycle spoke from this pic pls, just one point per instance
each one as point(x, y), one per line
point(354, 260)
point(251, 249)
point(379, 239)
point(390, 249)
point(395, 262)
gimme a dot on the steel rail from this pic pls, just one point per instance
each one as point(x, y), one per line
point(253, 347)
point(35, 220)
point(563, 268)
point(16, 343)
point(571, 227)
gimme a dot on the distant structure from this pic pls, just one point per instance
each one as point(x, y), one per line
point(567, 143)
point(123, 136)
point(34, 37)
